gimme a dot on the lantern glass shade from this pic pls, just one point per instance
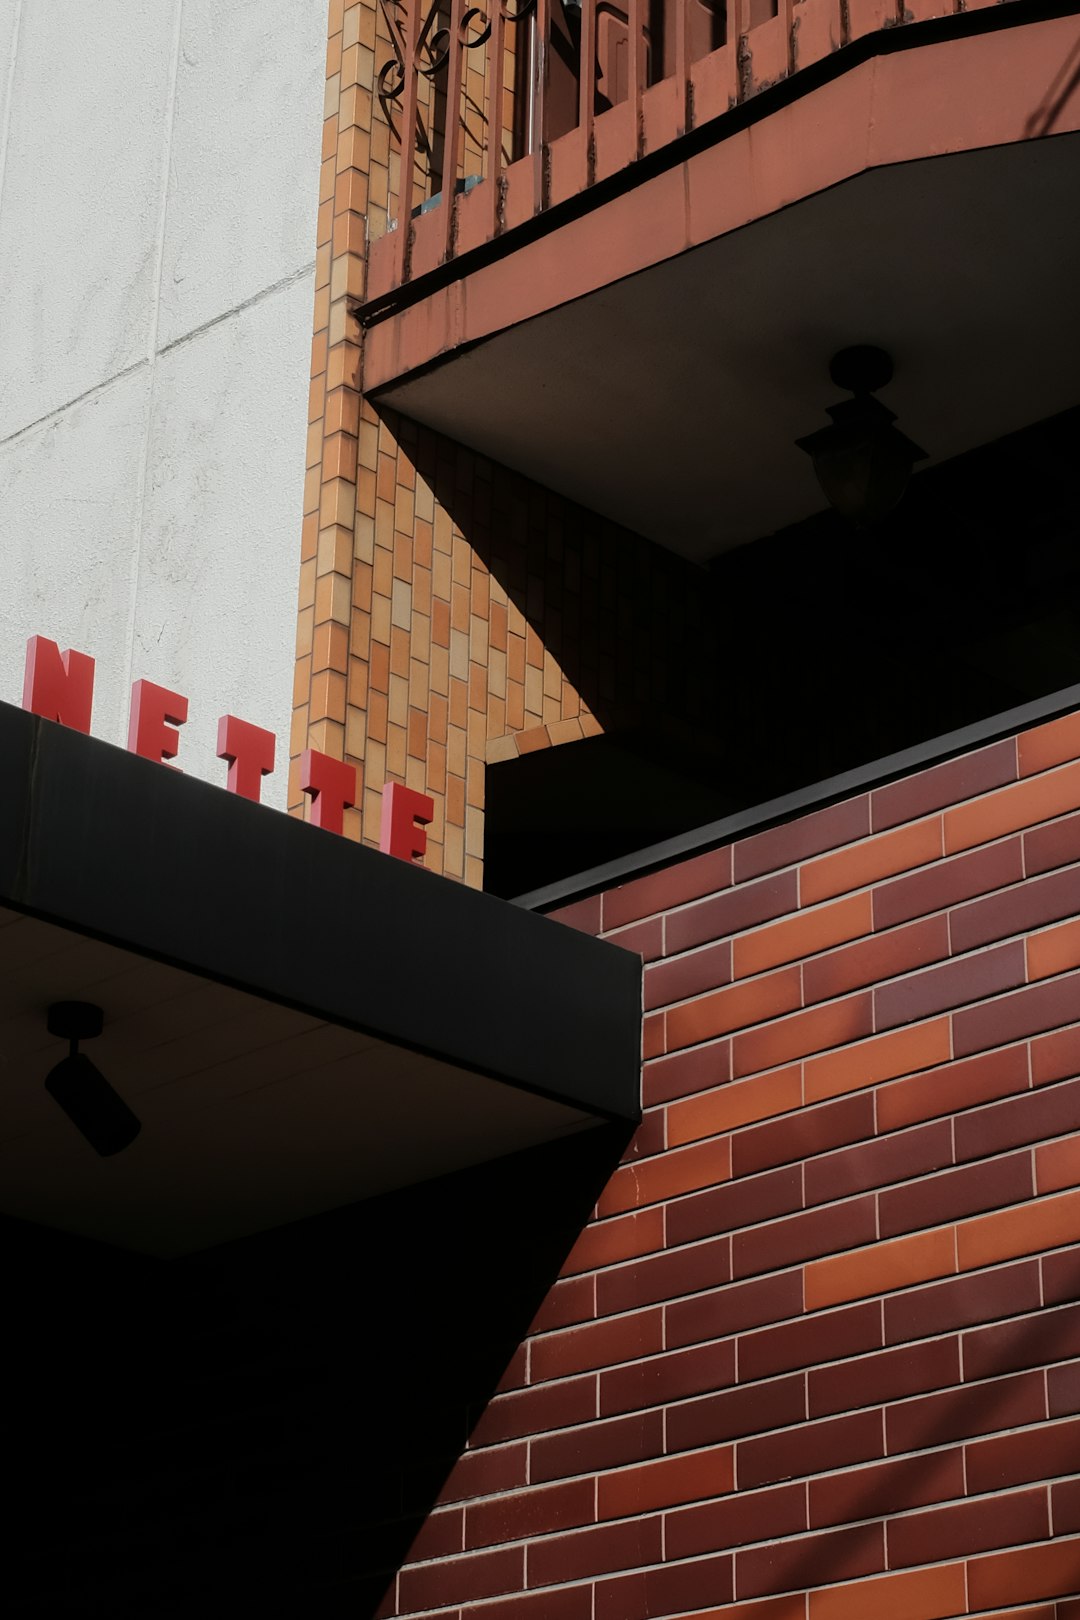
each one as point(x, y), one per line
point(863, 463)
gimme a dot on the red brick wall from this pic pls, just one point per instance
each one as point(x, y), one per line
point(811, 1358)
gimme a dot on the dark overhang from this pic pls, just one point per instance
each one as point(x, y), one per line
point(298, 1021)
point(686, 308)
point(759, 817)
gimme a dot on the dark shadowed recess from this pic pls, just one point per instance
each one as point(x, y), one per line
point(262, 1428)
point(832, 646)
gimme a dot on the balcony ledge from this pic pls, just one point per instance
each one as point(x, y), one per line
point(687, 315)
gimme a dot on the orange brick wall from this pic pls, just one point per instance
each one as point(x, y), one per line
point(817, 1354)
point(450, 612)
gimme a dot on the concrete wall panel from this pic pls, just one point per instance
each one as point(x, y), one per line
point(9, 25)
point(158, 176)
point(216, 607)
point(81, 205)
point(248, 123)
point(69, 498)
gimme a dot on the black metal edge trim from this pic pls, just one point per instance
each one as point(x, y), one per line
point(804, 81)
point(820, 794)
point(602, 1113)
point(174, 869)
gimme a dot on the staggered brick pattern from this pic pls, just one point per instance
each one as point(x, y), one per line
point(463, 615)
point(817, 1354)
point(451, 613)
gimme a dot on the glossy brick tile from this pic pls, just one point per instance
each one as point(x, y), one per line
point(597, 1551)
point(812, 1342)
point(1029, 1341)
point(938, 1199)
point(812, 1130)
point(738, 1203)
point(942, 785)
point(1004, 1291)
point(969, 1527)
point(754, 1516)
point(953, 1088)
point(930, 1420)
point(741, 908)
point(871, 861)
point(805, 935)
point(948, 882)
point(884, 1488)
point(901, 950)
point(673, 886)
point(1048, 745)
point(1017, 911)
point(894, 1158)
point(1015, 1459)
point(797, 840)
point(614, 1443)
point(672, 1376)
point(790, 1565)
point(670, 1589)
point(971, 978)
point(753, 1409)
point(875, 1379)
point(1010, 809)
point(811, 1448)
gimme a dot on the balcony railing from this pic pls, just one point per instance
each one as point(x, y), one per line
point(507, 107)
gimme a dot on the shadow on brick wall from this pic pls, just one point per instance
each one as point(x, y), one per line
point(626, 622)
point(805, 654)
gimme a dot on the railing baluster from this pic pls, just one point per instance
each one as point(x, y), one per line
point(587, 82)
point(408, 137)
point(741, 13)
point(452, 139)
point(682, 60)
point(637, 68)
point(538, 110)
point(412, 44)
point(495, 115)
point(787, 22)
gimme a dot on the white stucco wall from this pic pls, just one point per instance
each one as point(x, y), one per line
point(159, 171)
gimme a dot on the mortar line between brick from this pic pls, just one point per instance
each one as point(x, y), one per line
point(928, 1282)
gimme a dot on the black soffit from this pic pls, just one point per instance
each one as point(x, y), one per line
point(297, 1020)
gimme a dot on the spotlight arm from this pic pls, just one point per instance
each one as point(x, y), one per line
point(74, 1021)
point(93, 1106)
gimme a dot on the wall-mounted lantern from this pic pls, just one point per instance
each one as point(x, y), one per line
point(863, 463)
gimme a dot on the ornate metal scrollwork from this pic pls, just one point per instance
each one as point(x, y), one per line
point(435, 40)
point(431, 54)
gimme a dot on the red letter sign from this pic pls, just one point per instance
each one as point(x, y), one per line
point(155, 712)
point(332, 786)
point(58, 686)
point(250, 753)
point(402, 808)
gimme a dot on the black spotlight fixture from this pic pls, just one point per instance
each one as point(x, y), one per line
point(863, 463)
point(82, 1091)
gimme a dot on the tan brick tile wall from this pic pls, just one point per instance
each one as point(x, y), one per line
point(451, 613)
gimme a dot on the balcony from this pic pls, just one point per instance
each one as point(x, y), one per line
point(633, 292)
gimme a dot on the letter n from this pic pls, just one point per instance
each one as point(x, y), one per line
point(58, 686)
